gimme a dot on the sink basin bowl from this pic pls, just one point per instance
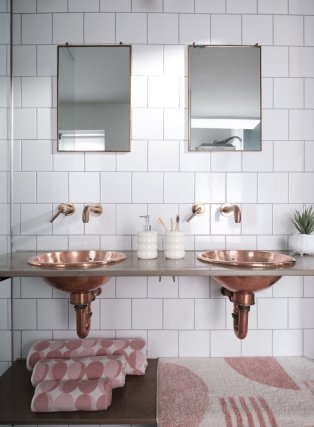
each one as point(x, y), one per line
point(256, 260)
point(86, 259)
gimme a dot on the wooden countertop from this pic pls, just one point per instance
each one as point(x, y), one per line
point(15, 265)
point(135, 403)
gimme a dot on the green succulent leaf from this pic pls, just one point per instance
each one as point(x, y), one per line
point(304, 221)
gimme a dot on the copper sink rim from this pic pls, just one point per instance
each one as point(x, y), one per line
point(212, 257)
point(45, 260)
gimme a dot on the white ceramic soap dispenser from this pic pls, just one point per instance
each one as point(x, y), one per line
point(147, 241)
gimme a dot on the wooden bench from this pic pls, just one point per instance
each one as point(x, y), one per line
point(135, 403)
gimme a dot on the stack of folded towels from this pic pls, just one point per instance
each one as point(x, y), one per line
point(79, 375)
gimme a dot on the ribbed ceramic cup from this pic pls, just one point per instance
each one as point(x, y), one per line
point(174, 244)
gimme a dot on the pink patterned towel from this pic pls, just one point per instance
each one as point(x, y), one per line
point(72, 395)
point(134, 350)
point(84, 368)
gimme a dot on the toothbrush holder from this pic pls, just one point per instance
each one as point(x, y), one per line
point(174, 244)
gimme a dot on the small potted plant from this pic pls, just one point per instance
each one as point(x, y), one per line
point(303, 241)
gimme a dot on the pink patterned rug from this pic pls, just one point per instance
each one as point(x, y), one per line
point(235, 392)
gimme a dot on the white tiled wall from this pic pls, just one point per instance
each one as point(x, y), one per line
point(5, 112)
point(159, 176)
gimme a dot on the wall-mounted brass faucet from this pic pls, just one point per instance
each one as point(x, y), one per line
point(227, 210)
point(94, 210)
point(65, 209)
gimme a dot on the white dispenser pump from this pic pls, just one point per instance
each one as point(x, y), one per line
point(147, 242)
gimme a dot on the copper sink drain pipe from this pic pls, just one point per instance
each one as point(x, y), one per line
point(242, 302)
point(82, 305)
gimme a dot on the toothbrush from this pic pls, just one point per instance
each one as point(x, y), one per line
point(162, 223)
point(177, 223)
point(171, 221)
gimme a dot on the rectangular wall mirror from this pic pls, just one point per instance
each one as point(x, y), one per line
point(224, 98)
point(94, 98)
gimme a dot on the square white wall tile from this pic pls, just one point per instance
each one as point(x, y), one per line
point(178, 314)
point(84, 187)
point(24, 6)
point(55, 6)
point(308, 30)
point(24, 60)
point(46, 123)
point(100, 162)
point(209, 6)
point(99, 28)
point(24, 314)
point(301, 314)
point(257, 343)
point(52, 243)
point(165, 288)
point(289, 286)
point(240, 242)
point(42, 161)
point(67, 27)
point(131, 287)
point(139, 97)
point(257, 219)
point(68, 162)
point(131, 28)
point(241, 187)
point(260, 161)
point(46, 60)
point(52, 187)
point(288, 156)
point(193, 161)
point(273, 188)
point(144, 6)
point(226, 29)
point(163, 92)
point(282, 214)
point(308, 287)
point(183, 6)
point(37, 29)
point(273, 7)
point(301, 124)
point(210, 187)
point(210, 314)
point(309, 343)
point(224, 344)
point(194, 287)
point(272, 313)
point(147, 313)
point(163, 344)
point(257, 29)
point(175, 123)
point(194, 344)
point(267, 92)
point(120, 192)
point(288, 93)
point(147, 60)
point(302, 7)
point(103, 224)
point(226, 162)
point(147, 123)
point(309, 93)
point(109, 309)
point(163, 156)
point(301, 61)
point(115, 6)
point(275, 61)
point(288, 30)
point(24, 126)
point(147, 187)
point(301, 187)
point(35, 219)
point(68, 225)
point(82, 6)
point(52, 313)
point(275, 124)
point(175, 61)
point(274, 243)
point(24, 187)
point(163, 28)
point(194, 28)
point(178, 187)
point(242, 6)
point(128, 218)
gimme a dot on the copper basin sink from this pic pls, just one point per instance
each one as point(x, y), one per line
point(86, 259)
point(252, 260)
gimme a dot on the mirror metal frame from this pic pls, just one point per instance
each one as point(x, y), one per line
point(130, 76)
point(189, 95)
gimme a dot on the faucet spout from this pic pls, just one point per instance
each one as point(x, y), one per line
point(228, 209)
point(94, 210)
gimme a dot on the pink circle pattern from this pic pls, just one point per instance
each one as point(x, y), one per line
point(94, 367)
point(86, 395)
point(134, 350)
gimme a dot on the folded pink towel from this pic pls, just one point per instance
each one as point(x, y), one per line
point(83, 368)
point(72, 395)
point(134, 350)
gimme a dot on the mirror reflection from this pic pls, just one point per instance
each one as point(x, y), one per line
point(94, 98)
point(225, 99)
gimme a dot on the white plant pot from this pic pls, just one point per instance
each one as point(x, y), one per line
point(302, 243)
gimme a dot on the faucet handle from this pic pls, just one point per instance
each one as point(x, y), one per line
point(64, 208)
point(197, 209)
